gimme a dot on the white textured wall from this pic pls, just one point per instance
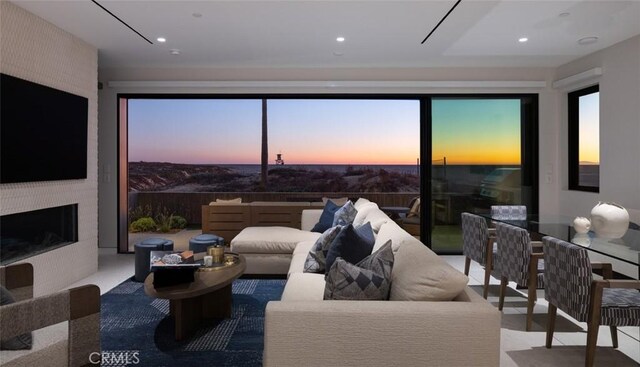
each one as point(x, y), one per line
point(38, 51)
point(108, 100)
point(619, 129)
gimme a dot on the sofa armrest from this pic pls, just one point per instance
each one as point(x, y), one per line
point(309, 218)
point(79, 306)
point(382, 333)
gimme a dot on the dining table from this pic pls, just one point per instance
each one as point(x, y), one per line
point(623, 252)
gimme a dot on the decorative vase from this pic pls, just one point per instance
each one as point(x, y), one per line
point(609, 220)
point(581, 224)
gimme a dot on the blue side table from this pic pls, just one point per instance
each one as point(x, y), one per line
point(200, 242)
point(143, 254)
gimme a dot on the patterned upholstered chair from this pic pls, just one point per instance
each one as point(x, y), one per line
point(570, 286)
point(517, 262)
point(509, 212)
point(65, 325)
point(477, 245)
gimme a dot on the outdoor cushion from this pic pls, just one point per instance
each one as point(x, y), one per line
point(270, 240)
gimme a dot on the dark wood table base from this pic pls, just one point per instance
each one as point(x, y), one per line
point(189, 313)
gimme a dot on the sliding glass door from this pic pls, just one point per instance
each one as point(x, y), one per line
point(481, 155)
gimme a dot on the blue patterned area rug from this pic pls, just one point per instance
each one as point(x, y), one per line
point(140, 327)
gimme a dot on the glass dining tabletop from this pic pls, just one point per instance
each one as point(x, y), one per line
point(626, 248)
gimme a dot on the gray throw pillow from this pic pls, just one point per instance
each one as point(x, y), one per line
point(23, 341)
point(370, 279)
point(317, 257)
point(345, 215)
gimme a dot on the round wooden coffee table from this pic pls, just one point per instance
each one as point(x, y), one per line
point(209, 296)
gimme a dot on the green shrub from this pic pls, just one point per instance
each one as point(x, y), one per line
point(178, 222)
point(140, 212)
point(145, 224)
point(163, 218)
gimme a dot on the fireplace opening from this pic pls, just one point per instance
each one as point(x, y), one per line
point(31, 233)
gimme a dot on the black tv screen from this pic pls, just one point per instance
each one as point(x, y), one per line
point(43, 132)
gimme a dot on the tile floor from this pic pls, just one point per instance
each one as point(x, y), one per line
point(518, 347)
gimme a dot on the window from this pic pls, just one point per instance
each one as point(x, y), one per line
point(584, 139)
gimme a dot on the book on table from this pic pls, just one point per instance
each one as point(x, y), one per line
point(172, 267)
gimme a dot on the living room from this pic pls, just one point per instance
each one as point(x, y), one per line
point(493, 80)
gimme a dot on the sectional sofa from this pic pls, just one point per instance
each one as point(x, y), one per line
point(432, 317)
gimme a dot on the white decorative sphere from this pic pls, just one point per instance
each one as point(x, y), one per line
point(609, 220)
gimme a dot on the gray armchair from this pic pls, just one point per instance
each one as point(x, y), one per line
point(53, 343)
point(570, 287)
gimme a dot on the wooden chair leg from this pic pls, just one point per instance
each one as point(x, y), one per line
point(467, 265)
point(503, 289)
point(595, 305)
point(551, 324)
point(487, 269)
point(592, 340)
point(487, 276)
point(532, 296)
point(614, 336)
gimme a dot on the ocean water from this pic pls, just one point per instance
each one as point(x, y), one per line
point(255, 168)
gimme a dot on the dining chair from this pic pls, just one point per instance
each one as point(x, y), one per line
point(517, 262)
point(509, 212)
point(477, 245)
point(570, 287)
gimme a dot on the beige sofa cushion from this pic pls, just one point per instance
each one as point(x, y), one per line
point(304, 287)
point(270, 240)
point(420, 275)
point(300, 256)
point(363, 211)
point(390, 230)
point(362, 201)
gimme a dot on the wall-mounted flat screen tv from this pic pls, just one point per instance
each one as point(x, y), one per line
point(43, 132)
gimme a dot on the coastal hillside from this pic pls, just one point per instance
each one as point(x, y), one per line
point(163, 176)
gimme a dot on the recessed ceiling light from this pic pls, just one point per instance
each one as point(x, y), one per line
point(564, 15)
point(587, 40)
point(523, 39)
point(338, 53)
point(197, 15)
point(161, 39)
point(174, 51)
point(340, 39)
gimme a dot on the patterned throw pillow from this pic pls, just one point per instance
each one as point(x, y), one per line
point(370, 279)
point(345, 215)
point(326, 218)
point(316, 259)
point(351, 244)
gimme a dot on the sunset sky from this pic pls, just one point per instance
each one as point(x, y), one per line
point(304, 131)
point(476, 131)
point(209, 131)
point(589, 128)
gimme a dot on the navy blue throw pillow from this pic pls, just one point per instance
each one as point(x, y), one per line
point(326, 218)
point(351, 244)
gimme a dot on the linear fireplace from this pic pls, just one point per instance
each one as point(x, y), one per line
point(31, 233)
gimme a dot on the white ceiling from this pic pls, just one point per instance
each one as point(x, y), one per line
point(378, 33)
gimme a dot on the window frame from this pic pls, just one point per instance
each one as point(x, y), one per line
point(573, 119)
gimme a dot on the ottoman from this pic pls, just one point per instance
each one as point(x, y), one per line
point(200, 242)
point(268, 250)
point(143, 254)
